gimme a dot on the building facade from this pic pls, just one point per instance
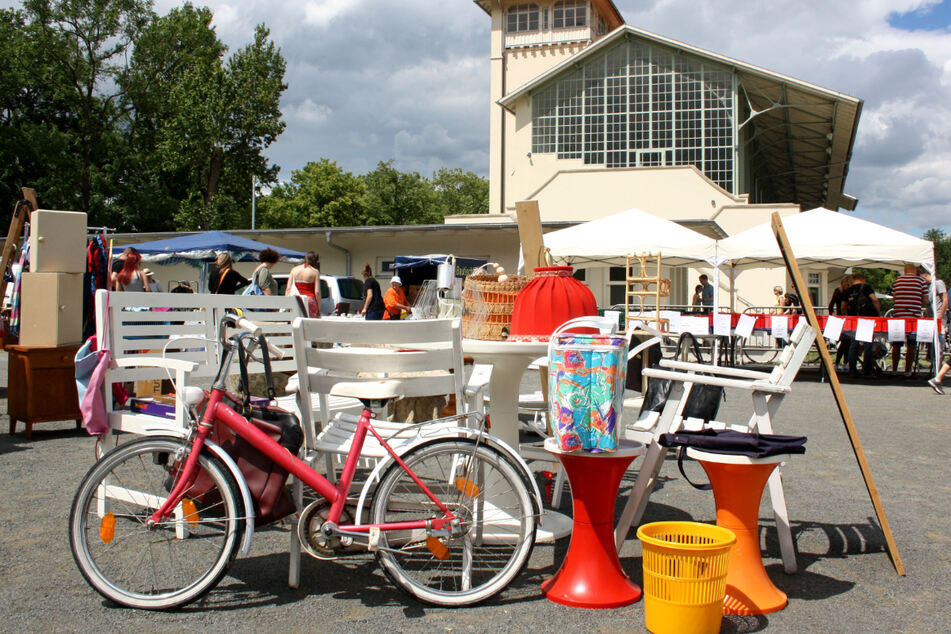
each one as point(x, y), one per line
point(590, 116)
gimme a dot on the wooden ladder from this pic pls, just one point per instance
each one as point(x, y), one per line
point(21, 214)
point(645, 280)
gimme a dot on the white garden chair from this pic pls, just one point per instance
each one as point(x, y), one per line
point(767, 390)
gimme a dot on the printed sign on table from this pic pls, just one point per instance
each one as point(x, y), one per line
point(779, 326)
point(744, 327)
point(721, 324)
point(896, 330)
point(695, 325)
point(925, 328)
point(865, 330)
point(833, 331)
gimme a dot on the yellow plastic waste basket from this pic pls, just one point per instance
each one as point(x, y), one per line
point(685, 565)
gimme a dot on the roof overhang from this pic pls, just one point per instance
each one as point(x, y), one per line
point(798, 137)
point(605, 7)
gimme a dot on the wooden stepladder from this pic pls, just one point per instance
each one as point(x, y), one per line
point(21, 215)
point(640, 285)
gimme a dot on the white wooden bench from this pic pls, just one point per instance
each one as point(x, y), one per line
point(155, 336)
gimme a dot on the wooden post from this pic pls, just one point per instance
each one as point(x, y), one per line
point(21, 213)
point(530, 235)
point(802, 290)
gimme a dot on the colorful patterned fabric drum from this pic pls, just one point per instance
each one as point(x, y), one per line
point(586, 390)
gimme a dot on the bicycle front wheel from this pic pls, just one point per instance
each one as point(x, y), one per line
point(173, 563)
point(481, 487)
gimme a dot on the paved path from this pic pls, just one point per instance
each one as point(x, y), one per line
point(846, 582)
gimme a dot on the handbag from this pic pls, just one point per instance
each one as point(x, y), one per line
point(91, 365)
point(703, 401)
point(254, 288)
point(730, 441)
point(266, 479)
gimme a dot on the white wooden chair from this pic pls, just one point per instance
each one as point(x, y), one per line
point(155, 336)
point(767, 390)
point(413, 358)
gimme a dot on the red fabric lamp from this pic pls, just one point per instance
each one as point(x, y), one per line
point(549, 300)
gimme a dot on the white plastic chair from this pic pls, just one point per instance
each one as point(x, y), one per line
point(767, 390)
point(412, 358)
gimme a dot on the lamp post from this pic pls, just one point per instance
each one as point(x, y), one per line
point(254, 187)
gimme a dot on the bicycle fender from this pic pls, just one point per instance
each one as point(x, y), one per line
point(245, 493)
point(452, 434)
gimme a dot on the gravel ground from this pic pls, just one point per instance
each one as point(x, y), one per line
point(846, 581)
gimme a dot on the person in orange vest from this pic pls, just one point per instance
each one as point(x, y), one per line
point(395, 299)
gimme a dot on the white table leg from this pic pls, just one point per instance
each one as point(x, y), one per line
point(504, 383)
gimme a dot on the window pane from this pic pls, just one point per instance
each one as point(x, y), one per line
point(637, 104)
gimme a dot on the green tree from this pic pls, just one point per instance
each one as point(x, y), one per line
point(83, 46)
point(398, 198)
point(459, 192)
point(212, 120)
point(319, 195)
point(942, 252)
point(173, 46)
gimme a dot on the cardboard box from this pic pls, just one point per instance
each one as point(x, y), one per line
point(51, 309)
point(57, 241)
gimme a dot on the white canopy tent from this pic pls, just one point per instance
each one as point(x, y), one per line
point(607, 241)
point(831, 238)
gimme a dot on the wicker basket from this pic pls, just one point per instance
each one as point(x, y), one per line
point(487, 305)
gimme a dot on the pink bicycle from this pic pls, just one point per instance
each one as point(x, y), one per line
point(452, 521)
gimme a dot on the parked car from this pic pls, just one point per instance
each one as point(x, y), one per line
point(339, 295)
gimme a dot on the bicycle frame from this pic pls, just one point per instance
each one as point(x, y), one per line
point(217, 411)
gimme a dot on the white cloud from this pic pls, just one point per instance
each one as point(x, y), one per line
point(310, 112)
point(371, 80)
point(322, 12)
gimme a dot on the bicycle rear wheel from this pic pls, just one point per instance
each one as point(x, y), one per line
point(481, 487)
point(173, 563)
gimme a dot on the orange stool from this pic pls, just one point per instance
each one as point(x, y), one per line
point(738, 483)
point(591, 575)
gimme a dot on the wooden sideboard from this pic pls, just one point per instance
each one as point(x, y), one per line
point(41, 386)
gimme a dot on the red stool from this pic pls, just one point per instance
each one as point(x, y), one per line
point(591, 575)
point(738, 483)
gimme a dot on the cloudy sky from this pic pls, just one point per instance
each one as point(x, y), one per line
point(371, 80)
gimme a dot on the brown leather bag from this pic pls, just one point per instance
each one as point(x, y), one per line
point(266, 480)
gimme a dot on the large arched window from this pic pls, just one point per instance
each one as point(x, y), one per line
point(638, 105)
point(570, 13)
point(522, 17)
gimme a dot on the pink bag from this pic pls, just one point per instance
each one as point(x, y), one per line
point(91, 366)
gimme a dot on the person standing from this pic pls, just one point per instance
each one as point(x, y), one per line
point(861, 301)
point(154, 285)
point(395, 299)
point(224, 280)
point(262, 275)
point(706, 295)
point(837, 307)
point(130, 277)
point(373, 307)
point(941, 293)
point(305, 277)
point(910, 293)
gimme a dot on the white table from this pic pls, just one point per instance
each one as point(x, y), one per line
point(508, 359)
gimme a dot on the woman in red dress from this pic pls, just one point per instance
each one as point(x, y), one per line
point(305, 278)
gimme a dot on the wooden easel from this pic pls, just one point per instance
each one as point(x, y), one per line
point(21, 214)
point(793, 267)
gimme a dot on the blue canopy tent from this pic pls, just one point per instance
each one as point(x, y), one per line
point(198, 249)
point(416, 268)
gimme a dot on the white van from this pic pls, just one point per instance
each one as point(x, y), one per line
point(339, 295)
